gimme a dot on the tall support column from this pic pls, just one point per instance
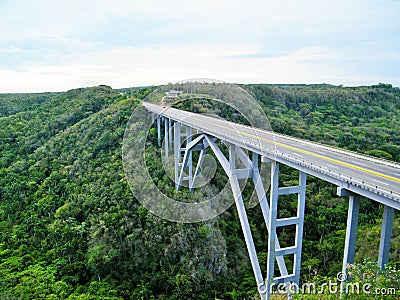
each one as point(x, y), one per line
point(190, 158)
point(262, 197)
point(166, 137)
point(159, 130)
point(301, 203)
point(177, 150)
point(274, 250)
point(262, 288)
point(351, 232)
point(386, 235)
point(273, 209)
point(170, 132)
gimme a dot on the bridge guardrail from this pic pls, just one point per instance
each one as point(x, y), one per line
point(346, 152)
point(348, 179)
point(320, 169)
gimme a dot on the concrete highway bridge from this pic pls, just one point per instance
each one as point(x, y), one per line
point(354, 175)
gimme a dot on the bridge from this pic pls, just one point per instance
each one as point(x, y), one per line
point(354, 175)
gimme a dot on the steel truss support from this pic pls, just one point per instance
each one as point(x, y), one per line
point(237, 193)
point(262, 197)
point(274, 222)
point(186, 164)
point(270, 216)
point(184, 172)
point(251, 170)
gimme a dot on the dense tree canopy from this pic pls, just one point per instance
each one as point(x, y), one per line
point(71, 229)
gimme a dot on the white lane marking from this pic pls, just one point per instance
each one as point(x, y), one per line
point(397, 174)
point(297, 154)
point(320, 152)
point(358, 163)
point(381, 182)
point(332, 166)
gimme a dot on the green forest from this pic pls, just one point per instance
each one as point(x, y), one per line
point(70, 227)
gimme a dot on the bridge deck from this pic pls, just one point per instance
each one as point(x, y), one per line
point(373, 178)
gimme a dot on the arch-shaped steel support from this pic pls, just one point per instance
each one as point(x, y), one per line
point(251, 170)
point(184, 172)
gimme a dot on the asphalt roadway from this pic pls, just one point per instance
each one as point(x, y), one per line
point(366, 173)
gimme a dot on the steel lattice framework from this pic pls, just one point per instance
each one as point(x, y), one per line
point(179, 127)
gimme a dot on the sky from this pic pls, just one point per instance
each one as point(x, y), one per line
point(48, 45)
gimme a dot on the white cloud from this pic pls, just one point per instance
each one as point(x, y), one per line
point(49, 19)
point(57, 45)
point(124, 67)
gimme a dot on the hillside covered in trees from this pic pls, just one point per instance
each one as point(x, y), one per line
point(71, 229)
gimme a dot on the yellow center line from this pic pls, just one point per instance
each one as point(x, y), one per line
point(308, 152)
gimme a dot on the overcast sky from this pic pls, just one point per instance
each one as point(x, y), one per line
point(48, 45)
